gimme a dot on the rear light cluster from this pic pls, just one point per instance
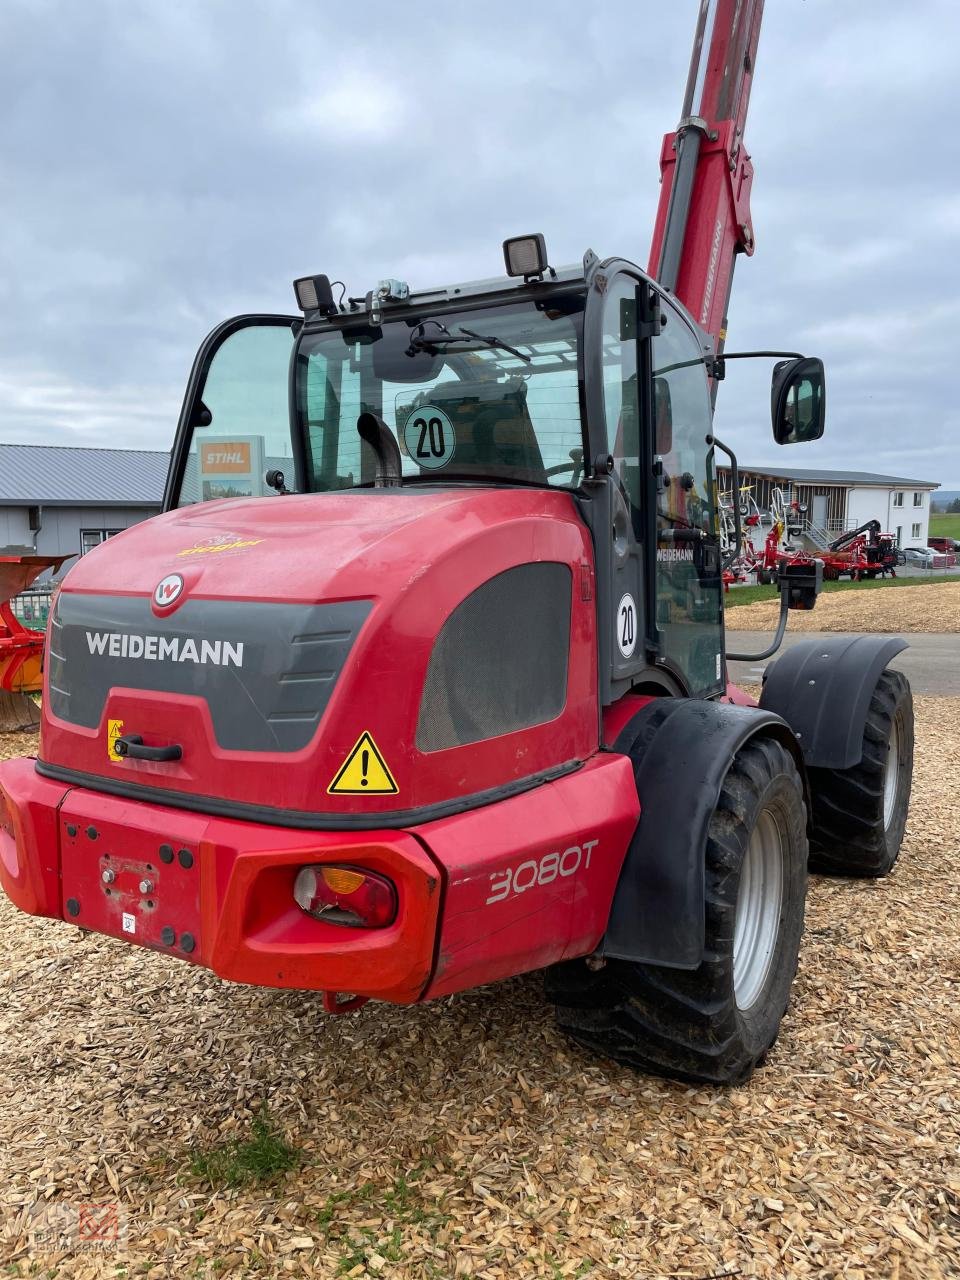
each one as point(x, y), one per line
point(345, 895)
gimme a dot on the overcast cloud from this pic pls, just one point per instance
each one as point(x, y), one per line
point(164, 165)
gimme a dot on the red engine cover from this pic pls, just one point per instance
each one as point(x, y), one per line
point(413, 556)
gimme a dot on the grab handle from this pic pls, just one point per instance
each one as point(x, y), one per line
point(131, 746)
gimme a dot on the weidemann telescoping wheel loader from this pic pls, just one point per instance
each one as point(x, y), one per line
point(453, 706)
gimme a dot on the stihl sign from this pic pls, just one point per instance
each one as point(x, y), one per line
point(225, 457)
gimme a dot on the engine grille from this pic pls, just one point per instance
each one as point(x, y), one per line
point(499, 663)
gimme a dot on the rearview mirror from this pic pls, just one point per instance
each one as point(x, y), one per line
point(798, 400)
point(394, 360)
point(663, 416)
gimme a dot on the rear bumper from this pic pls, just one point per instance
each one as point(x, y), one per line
point(483, 895)
point(224, 899)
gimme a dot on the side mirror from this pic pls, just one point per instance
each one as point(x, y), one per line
point(798, 400)
point(803, 582)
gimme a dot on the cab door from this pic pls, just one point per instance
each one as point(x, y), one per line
point(653, 517)
point(235, 423)
point(688, 590)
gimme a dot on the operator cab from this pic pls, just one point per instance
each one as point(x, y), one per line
point(591, 379)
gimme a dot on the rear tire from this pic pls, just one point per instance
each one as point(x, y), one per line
point(714, 1023)
point(860, 814)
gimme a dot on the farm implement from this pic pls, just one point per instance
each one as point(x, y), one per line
point(21, 648)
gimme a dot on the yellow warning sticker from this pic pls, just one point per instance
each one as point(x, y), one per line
point(364, 772)
point(114, 731)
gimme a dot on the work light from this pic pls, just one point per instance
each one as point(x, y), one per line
point(314, 294)
point(525, 255)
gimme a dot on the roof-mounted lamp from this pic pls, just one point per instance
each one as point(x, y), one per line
point(526, 256)
point(315, 294)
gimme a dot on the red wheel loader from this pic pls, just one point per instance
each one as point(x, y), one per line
point(419, 680)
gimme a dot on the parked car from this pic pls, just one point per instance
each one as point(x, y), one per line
point(948, 545)
point(920, 557)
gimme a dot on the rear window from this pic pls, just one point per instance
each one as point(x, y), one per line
point(469, 395)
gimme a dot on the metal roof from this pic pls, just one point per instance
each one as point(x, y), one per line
point(63, 476)
point(850, 479)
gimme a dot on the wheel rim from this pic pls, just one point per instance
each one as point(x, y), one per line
point(891, 776)
point(759, 900)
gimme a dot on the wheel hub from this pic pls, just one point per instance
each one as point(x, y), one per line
point(891, 776)
point(759, 902)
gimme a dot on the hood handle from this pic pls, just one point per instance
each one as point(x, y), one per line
point(131, 746)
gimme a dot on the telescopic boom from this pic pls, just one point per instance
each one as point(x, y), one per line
point(703, 219)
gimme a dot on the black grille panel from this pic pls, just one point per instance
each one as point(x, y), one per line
point(266, 692)
point(499, 663)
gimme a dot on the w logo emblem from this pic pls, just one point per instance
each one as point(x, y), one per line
point(167, 590)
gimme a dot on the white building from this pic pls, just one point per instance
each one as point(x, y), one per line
point(841, 500)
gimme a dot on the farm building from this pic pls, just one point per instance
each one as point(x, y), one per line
point(58, 500)
point(841, 500)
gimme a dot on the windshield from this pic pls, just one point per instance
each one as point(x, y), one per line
point(470, 395)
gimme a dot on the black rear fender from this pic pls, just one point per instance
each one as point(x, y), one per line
point(822, 689)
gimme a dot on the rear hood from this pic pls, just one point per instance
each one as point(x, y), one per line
point(275, 640)
point(305, 547)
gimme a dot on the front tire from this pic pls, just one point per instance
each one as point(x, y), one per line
point(716, 1022)
point(860, 814)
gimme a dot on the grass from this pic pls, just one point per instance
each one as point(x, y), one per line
point(398, 1207)
point(945, 526)
point(750, 595)
point(263, 1157)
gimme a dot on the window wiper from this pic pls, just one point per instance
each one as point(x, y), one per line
point(446, 339)
point(496, 342)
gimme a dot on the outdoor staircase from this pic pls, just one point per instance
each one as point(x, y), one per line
point(816, 537)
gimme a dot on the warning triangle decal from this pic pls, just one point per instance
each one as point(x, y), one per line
point(364, 772)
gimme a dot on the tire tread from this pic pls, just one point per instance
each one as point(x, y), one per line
point(684, 1023)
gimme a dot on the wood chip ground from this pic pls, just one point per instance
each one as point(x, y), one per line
point(468, 1138)
point(933, 607)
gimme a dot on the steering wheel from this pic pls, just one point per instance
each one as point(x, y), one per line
point(574, 466)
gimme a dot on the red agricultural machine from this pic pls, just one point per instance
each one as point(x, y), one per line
point(862, 553)
point(453, 705)
point(21, 648)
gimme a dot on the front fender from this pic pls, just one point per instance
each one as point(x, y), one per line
point(822, 688)
point(681, 749)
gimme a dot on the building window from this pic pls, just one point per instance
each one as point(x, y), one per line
point(90, 538)
point(918, 499)
point(914, 531)
point(899, 535)
point(898, 499)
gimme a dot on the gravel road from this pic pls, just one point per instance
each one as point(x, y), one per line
point(931, 663)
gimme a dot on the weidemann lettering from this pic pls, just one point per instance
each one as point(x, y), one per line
point(122, 644)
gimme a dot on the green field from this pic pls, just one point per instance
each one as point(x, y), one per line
point(750, 595)
point(945, 526)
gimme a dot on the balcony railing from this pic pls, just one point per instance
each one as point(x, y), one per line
point(32, 608)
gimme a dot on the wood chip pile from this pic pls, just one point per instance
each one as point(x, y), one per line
point(467, 1138)
point(933, 607)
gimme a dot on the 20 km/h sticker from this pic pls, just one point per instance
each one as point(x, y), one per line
point(626, 625)
point(364, 772)
point(429, 437)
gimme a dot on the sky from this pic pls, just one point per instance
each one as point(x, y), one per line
point(165, 165)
